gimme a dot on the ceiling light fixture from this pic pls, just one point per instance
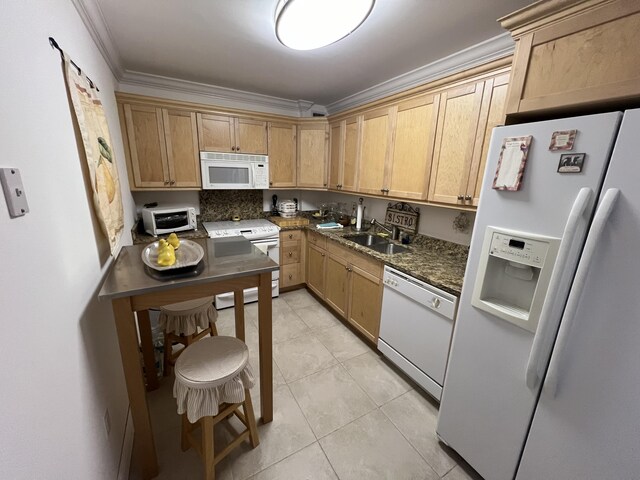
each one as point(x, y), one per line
point(310, 24)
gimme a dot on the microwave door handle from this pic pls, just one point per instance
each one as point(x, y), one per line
point(545, 333)
point(593, 241)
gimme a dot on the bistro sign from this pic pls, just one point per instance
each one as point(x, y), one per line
point(403, 216)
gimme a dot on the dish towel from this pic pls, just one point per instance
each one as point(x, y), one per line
point(329, 226)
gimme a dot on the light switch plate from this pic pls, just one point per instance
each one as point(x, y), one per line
point(14, 191)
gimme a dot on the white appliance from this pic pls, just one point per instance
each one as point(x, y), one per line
point(265, 236)
point(415, 328)
point(164, 220)
point(559, 399)
point(236, 171)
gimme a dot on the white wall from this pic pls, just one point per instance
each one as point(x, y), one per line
point(61, 365)
point(434, 221)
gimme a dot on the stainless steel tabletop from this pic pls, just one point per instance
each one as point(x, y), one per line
point(224, 258)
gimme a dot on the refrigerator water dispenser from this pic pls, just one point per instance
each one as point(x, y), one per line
point(513, 275)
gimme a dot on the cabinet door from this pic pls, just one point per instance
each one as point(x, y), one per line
point(282, 155)
point(492, 114)
point(182, 148)
point(313, 146)
point(351, 154)
point(336, 283)
point(316, 258)
point(336, 143)
point(365, 304)
point(412, 153)
point(251, 136)
point(216, 133)
point(376, 138)
point(455, 139)
point(147, 148)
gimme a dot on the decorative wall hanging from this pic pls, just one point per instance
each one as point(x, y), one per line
point(99, 155)
point(404, 216)
point(461, 223)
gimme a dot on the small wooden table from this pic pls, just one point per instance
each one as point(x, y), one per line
point(230, 265)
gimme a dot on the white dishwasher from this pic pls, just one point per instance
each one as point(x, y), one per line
point(415, 328)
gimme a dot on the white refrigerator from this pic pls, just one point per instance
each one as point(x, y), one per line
point(543, 377)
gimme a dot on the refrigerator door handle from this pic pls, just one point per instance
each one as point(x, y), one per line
point(593, 240)
point(544, 336)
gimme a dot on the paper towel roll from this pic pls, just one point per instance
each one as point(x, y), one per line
point(359, 217)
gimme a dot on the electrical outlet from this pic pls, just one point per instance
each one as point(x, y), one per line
point(107, 421)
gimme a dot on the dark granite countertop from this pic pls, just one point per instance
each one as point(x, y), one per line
point(437, 262)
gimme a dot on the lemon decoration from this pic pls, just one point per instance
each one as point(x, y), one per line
point(166, 254)
point(174, 241)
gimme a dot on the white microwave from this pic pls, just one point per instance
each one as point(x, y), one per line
point(234, 171)
point(164, 220)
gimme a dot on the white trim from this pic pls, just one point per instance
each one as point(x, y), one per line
point(93, 20)
point(240, 98)
point(484, 52)
point(127, 449)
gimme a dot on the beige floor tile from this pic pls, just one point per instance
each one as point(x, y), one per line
point(460, 473)
point(371, 448)
point(299, 298)
point(317, 317)
point(416, 418)
point(278, 307)
point(301, 356)
point(376, 378)
point(330, 399)
point(310, 463)
point(341, 342)
point(288, 433)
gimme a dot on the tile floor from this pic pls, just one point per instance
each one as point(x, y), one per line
point(340, 410)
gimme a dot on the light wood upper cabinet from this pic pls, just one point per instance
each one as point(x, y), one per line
point(344, 154)
point(492, 114)
point(313, 153)
point(412, 152)
point(162, 147)
point(455, 140)
point(222, 133)
point(574, 53)
point(282, 155)
point(376, 140)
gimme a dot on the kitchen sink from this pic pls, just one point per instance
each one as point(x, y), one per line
point(388, 248)
point(367, 240)
point(379, 244)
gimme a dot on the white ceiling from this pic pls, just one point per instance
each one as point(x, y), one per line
point(231, 43)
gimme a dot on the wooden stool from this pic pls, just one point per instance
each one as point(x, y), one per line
point(181, 322)
point(213, 378)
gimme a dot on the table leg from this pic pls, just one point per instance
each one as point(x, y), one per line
point(265, 342)
point(128, 341)
point(238, 305)
point(146, 341)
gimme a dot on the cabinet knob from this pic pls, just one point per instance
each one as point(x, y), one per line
point(325, 184)
point(166, 182)
point(291, 235)
point(349, 270)
point(233, 149)
point(290, 254)
point(322, 254)
point(270, 183)
point(382, 190)
point(460, 197)
point(467, 198)
point(237, 149)
point(290, 276)
point(172, 182)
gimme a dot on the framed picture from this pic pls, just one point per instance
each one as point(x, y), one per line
point(571, 162)
point(513, 158)
point(563, 140)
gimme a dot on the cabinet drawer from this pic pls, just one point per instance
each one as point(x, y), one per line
point(290, 235)
point(317, 239)
point(290, 275)
point(360, 260)
point(290, 253)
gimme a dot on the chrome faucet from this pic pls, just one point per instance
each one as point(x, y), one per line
point(394, 231)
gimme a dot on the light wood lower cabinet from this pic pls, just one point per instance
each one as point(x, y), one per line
point(350, 282)
point(292, 258)
point(161, 146)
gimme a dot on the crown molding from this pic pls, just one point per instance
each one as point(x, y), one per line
point(133, 82)
point(484, 52)
point(93, 20)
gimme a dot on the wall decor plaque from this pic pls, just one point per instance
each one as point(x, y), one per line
point(403, 215)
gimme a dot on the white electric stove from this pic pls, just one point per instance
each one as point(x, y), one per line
point(264, 235)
